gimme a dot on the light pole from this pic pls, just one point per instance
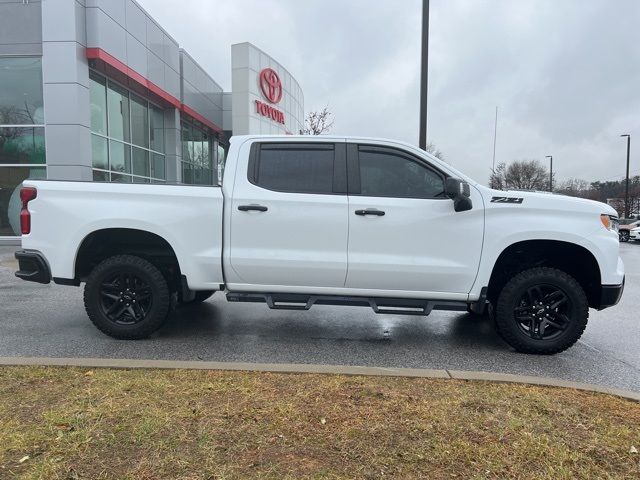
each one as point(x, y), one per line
point(424, 75)
point(550, 157)
point(626, 188)
point(495, 135)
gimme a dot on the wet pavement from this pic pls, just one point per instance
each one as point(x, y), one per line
point(49, 321)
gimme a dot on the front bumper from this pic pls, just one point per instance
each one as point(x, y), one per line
point(634, 235)
point(610, 295)
point(33, 267)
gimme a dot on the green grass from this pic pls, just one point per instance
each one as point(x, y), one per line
point(149, 424)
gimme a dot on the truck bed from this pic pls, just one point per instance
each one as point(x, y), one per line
point(189, 218)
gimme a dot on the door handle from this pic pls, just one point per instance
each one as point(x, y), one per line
point(257, 208)
point(370, 211)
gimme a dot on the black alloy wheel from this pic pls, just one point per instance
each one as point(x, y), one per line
point(624, 235)
point(543, 312)
point(125, 298)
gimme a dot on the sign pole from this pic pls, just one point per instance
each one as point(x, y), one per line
point(424, 76)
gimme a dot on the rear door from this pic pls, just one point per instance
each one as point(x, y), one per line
point(403, 231)
point(289, 217)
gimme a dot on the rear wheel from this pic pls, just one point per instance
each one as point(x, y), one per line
point(542, 310)
point(624, 235)
point(127, 297)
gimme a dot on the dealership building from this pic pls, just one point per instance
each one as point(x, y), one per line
point(97, 90)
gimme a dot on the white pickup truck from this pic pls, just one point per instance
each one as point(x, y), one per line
point(300, 221)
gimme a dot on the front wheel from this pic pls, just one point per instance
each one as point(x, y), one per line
point(127, 297)
point(542, 310)
point(624, 236)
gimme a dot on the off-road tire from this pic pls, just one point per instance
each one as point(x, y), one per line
point(160, 295)
point(512, 292)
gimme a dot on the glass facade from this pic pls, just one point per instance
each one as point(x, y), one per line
point(221, 163)
point(199, 155)
point(22, 153)
point(127, 135)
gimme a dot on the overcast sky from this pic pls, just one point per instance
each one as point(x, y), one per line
point(565, 74)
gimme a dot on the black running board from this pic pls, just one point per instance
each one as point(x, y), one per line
point(394, 306)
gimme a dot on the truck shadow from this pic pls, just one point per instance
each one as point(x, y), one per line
point(217, 318)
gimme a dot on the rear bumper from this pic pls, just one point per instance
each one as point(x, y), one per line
point(611, 295)
point(33, 267)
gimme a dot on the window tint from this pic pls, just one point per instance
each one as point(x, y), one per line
point(98, 95)
point(21, 145)
point(120, 156)
point(20, 90)
point(221, 162)
point(118, 112)
point(297, 169)
point(139, 122)
point(100, 152)
point(386, 174)
point(127, 133)
point(156, 117)
point(198, 155)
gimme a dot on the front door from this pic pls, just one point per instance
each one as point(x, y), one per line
point(289, 217)
point(403, 231)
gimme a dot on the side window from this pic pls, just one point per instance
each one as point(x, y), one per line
point(384, 173)
point(294, 168)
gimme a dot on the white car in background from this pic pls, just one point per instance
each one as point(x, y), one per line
point(634, 234)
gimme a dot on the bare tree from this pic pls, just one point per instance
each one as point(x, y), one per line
point(574, 187)
point(9, 116)
point(435, 151)
point(317, 123)
point(496, 179)
point(521, 175)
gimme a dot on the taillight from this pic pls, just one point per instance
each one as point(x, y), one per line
point(26, 195)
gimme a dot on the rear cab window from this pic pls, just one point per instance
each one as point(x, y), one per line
point(296, 167)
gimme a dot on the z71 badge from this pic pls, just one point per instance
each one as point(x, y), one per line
point(506, 200)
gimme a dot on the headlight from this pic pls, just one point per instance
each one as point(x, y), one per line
point(610, 222)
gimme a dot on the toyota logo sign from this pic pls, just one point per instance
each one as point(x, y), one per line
point(271, 85)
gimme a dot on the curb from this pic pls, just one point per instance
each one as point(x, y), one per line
point(318, 369)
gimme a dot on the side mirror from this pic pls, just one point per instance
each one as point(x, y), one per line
point(460, 193)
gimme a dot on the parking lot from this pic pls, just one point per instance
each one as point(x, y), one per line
point(49, 321)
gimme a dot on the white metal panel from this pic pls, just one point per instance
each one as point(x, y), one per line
point(300, 241)
point(189, 218)
point(105, 33)
point(544, 216)
point(136, 21)
point(247, 61)
point(65, 62)
point(418, 245)
point(114, 8)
